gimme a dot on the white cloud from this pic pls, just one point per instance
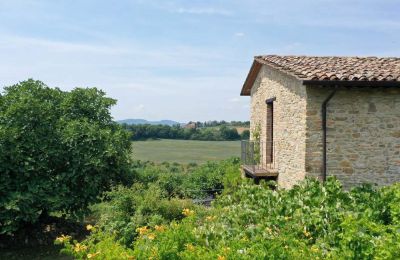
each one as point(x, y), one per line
point(239, 34)
point(59, 46)
point(131, 73)
point(205, 11)
point(139, 108)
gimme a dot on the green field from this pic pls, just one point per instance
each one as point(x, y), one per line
point(184, 151)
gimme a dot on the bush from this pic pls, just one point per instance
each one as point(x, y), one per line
point(189, 181)
point(309, 221)
point(58, 151)
point(245, 135)
point(124, 210)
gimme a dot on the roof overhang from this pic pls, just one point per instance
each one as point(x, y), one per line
point(251, 78)
point(258, 63)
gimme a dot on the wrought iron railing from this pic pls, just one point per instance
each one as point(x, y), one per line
point(258, 155)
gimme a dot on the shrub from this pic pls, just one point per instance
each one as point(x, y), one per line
point(58, 151)
point(309, 221)
point(125, 209)
point(245, 135)
point(189, 181)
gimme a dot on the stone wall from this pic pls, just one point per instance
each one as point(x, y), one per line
point(363, 135)
point(289, 122)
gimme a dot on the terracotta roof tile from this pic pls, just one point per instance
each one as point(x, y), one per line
point(335, 68)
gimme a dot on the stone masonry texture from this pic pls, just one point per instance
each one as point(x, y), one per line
point(289, 122)
point(363, 135)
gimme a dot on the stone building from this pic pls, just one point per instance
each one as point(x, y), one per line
point(323, 116)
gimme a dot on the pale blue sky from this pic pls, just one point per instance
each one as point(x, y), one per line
point(181, 60)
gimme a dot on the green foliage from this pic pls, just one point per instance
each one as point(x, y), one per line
point(147, 131)
point(310, 221)
point(189, 181)
point(58, 151)
point(161, 195)
point(245, 135)
point(126, 209)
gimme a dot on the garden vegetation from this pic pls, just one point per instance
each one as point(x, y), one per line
point(61, 152)
point(310, 221)
point(58, 152)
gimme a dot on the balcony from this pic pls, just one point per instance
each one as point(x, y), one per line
point(258, 159)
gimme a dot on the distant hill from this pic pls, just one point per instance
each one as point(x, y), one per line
point(144, 121)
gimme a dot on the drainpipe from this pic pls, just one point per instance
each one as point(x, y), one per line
point(323, 112)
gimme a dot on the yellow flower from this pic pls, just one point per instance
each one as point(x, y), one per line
point(221, 257)
point(151, 236)
point(63, 238)
point(78, 247)
point(190, 247)
point(89, 227)
point(245, 238)
point(89, 256)
point(306, 233)
point(210, 218)
point(268, 229)
point(160, 228)
point(187, 212)
point(314, 249)
point(142, 230)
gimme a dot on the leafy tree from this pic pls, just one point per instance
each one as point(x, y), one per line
point(58, 151)
point(245, 135)
point(229, 133)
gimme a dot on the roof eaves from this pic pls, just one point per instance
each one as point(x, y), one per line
point(351, 83)
point(251, 78)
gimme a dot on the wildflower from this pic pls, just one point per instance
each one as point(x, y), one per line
point(286, 247)
point(89, 256)
point(221, 257)
point(314, 249)
point(210, 218)
point(89, 227)
point(245, 239)
point(268, 229)
point(151, 236)
point(306, 233)
point(287, 218)
point(63, 238)
point(160, 228)
point(142, 230)
point(79, 247)
point(187, 212)
point(190, 247)
point(226, 249)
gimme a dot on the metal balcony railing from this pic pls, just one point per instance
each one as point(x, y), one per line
point(258, 156)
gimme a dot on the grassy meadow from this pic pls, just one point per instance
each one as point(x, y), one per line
point(184, 151)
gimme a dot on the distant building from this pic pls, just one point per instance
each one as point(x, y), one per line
point(324, 116)
point(191, 125)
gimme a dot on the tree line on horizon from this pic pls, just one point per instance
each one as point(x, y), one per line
point(222, 133)
point(214, 123)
